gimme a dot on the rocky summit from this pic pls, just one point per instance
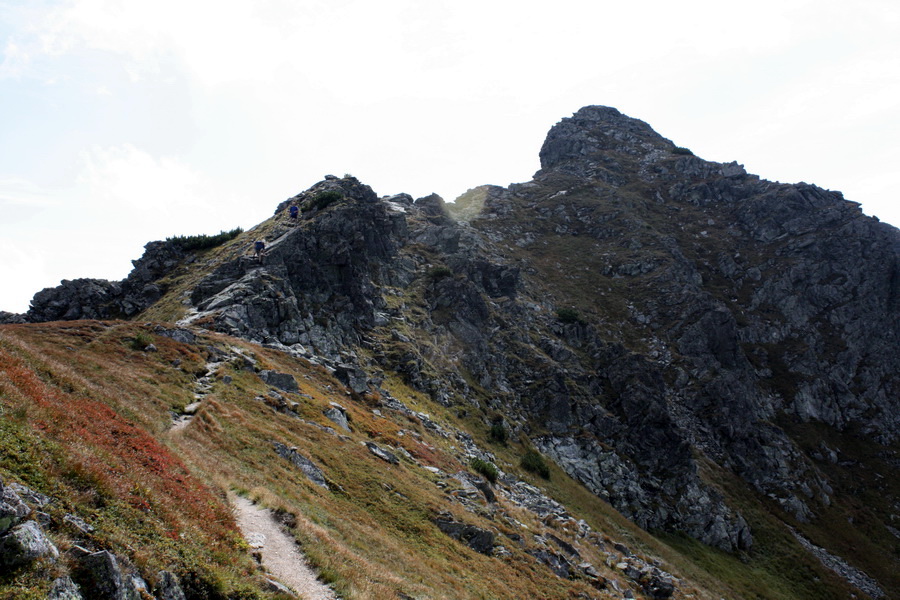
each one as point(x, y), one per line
point(712, 354)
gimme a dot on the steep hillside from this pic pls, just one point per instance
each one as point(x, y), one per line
point(712, 354)
point(134, 448)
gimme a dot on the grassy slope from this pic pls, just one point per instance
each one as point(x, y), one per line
point(86, 420)
point(79, 411)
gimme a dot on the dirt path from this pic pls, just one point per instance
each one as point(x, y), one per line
point(280, 555)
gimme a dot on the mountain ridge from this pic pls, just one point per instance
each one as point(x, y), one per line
point(668, 330)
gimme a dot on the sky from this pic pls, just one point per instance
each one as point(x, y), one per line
point(123, 122)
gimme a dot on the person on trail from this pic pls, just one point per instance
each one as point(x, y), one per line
point(294, 211)
point(260, 247)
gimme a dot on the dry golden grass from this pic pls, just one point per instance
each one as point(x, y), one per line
point(371, 535)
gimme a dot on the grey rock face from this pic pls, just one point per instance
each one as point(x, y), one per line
point(167, 587)
point(12, 509)
point(381, 453)
point(36, 499)
point(101, 299)
point(179, 334)
point(282, 381)
point(25, 543)
point(64, 589)
point(338, 415)
point(480, 540)
point(102, 577)
point(353, 377)
point(312, 472)
point(556, 561)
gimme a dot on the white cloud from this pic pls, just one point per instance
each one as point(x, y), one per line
point(17, 191)
point(26, 269)
point(126, 178)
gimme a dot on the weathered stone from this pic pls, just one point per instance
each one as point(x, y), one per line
point(381, 453)
point(78, 523)
point(135, 587)
point(353, 377)
point(101, 578)
point(283, 381)
point(7, 318)
point(480, 540)
point(179, 334)
point(312, 472)
point(29, 496)
point(168, 587)
point(279, 588)
point(658, 588)
point(25, 543)
point(338, 415)
point(64, 589)
point(12, 509)
point(557, 562)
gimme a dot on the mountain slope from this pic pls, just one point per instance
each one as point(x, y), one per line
point(713, 354)
point(113, 440)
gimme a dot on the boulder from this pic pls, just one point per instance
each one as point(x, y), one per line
point(382, 453)
point(557, 562)
point(101, 577)
point(479, 540)
point(283, 381)
point(25, 543)
point(29, 496)
point(338, 415)
point(64, 589)
point(12, 509)
point(312, 472)
point(353, 377)
point(167, 587)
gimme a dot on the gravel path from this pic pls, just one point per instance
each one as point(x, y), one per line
point(280, 555)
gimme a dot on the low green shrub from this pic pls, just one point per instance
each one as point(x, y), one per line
point(498, 433)
point(568, 315)
point(533, 462)
point(485, 468)
point(202, 242)
point(440, 272)
point(680, 150)
point(140, 341)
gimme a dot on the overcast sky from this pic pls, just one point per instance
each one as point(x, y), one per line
point(123, 122)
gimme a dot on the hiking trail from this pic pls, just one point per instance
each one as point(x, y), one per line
point(281, 557)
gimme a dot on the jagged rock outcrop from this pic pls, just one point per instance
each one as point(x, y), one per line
point(479, 540)
point(637, 311)
point(102, 299)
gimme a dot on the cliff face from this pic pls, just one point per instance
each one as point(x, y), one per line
point(653, 322)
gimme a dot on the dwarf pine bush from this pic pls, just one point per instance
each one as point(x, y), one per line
point(485, 468)
point(533, 462)
point(202, 242)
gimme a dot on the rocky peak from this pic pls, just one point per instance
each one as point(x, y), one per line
point(595, 134)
